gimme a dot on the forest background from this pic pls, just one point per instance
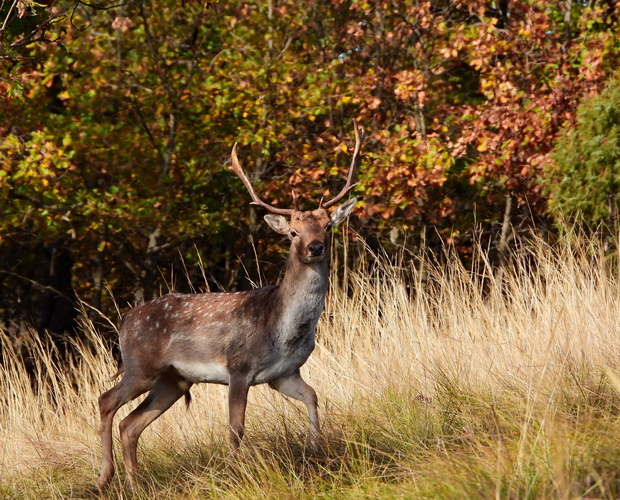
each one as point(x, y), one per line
point(117, 122)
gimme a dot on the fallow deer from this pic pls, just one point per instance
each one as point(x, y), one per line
point(236, 339)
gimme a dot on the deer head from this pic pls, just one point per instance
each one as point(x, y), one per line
point(308, 231)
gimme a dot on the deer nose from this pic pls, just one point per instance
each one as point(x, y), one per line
point(316, 248)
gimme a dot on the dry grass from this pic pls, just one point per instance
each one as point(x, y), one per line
point(467, 388)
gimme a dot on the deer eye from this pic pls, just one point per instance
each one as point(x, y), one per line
point(293, 234)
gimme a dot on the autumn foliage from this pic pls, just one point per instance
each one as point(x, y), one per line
point(118, 126)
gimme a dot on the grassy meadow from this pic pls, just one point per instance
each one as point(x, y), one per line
point(446, 383)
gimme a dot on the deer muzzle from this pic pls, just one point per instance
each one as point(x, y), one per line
point(316, 248)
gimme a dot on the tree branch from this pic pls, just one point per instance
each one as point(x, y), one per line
point(38, 285)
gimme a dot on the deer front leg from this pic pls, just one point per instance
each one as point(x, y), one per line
point(295, 387)
point(237, 400)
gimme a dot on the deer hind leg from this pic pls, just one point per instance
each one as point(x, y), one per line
point(237, 401)
point(294, 386)
point(161, 397)
point(109, 403)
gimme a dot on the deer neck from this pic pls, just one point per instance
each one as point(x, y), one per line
point(302, 294)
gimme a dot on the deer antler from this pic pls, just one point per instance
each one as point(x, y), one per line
point(236, 168)
point(359, 139)
point(295, 200)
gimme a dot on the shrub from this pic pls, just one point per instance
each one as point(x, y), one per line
point(584, 179)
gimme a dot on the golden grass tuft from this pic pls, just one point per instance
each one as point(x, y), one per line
point(455, 384)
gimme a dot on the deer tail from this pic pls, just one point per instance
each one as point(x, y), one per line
point(119, 372)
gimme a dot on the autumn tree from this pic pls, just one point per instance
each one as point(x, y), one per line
point(114, 144)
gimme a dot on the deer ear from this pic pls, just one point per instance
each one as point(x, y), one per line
point(278, 223)
point(342, 212)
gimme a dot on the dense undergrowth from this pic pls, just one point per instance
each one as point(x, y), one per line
point(452, 383)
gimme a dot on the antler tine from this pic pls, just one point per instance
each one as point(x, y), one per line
point(236, 168)
point(359, 139)
point(295, 200)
